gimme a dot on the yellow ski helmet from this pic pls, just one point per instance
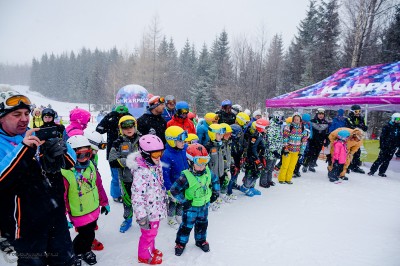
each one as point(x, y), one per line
point(211, 118)
point(127, 121)
point(175, 133)
point(192, 138)
point(242, 119)
point(215, 129)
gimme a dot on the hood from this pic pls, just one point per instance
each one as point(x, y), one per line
point(79, 115)
point(358, 132)
point(134, 160)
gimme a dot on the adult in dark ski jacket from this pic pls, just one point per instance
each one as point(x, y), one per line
point(109, 125)
point(389, 141)
point(41, 235)
point(48, 116)
point(320, 129)
point(356, 120)
point(338, 121)
point(152, 121)
point(225, 114)
point(169, 109)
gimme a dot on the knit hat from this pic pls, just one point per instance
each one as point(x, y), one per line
point(155, 101)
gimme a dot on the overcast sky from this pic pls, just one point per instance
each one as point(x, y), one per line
point(29, 28)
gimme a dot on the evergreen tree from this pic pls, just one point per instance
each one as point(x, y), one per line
point(391, 40)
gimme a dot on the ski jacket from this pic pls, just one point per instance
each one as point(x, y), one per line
point(294, 138)
point(340, 152)
point(168, 114)
point(216, 154)
point(352, 145)
point(84, 194)
point(256, 148)
point(173, 163)
point(309, 128)
point(202, 132)
point(390, 137)
point(79, 118)
point(184, 123)
point(149, 123)
point(320, 128)
point(149, 198)
point(33, 193)
point(356, 122)
point(274, 140)
point(225, 117)
point(36, 121)
point(338, 121)
point(109, 125)
point(121, 148)
point(180, 186)
point(227, 153)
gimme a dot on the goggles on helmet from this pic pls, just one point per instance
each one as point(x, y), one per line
point(83, 154)
point(397, 119)
point(193, 141)
point(156, 154)
point(199, 160)
point(218, 131)
point(128, 124)
point(180, 137)
point(101, 145)
point(14, 101)
point(183, 111)
point(357, 111)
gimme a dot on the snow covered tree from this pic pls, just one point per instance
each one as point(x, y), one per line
point(391, 39)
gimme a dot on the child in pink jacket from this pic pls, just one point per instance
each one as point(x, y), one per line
point(339, 155)
point(149, 198)
point(84, 194)
point(78, 118)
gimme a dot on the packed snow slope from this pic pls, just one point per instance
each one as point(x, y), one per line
point(312, 222)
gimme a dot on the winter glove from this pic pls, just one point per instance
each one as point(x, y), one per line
point(259, 165)
point(285, 152)
point(264, 162)
point(276, 154)
point(170, 197)
point(187, 204)
point(105, 209)
point(70, 225)
point(144, 223)
point(234, 170)
point(214, 196)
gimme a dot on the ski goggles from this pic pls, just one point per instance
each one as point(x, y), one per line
point(180, 137)
point(198, 160)
point(101, 145)
point(397, 119)
point(218, 131)
point(156, 154)
point(15, 101)
point(183, 111)
point(83, 154)
point(193, 141)
point(128, 124)
point(357, 111)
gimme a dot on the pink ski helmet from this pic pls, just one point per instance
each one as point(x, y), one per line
point(149, 143)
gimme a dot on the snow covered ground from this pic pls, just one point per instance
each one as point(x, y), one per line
point(312, 222)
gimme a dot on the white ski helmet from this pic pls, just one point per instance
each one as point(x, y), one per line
point(320, 111)
point(247, 111)
point(256, 113)
point(78, 141)
point(96, 139)
point(395, 117)
point(236, 108)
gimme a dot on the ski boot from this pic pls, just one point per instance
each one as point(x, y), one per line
point(89, 258)
point(266, 185)
point(255, 191)
point(179, 248)
point(296, 174)
point(226, 198)
point(155, 259)
point(271, 183)
point(214, 206)
point(97, 245)
point(304, 169)
point(344, 178)
point(289, 182)
point(126, 224)
point(118, 200)
point(172, 223)
point(203, 245)
point(358, 170)
point(382, 174)
point(232, 196)
point(311, 168)
point(370, 173)
point(247, 191)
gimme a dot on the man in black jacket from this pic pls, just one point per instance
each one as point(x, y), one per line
point(225, 114)
point(389, 141)
point(356, 120)
point(109, 125)
point(40, 234)
point(152, 121)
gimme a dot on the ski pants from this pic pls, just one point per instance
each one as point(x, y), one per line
point(335, 172)
point(147, 240)
point(383, 161)
point(115, 189)
point(126, 199)
point(83, 241)
point(174, 208)
point(266, 174)
point(7, 224)
point(288, 164)
point(235, 170)
point(251, 176)
point(314, 148)
point(356, 162)
point(197, 217)
point(51, 247)
point(224, 182)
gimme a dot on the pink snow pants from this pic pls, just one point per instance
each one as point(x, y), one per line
point(147, 240)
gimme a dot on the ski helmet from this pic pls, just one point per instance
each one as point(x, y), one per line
point(11, 101)
point(170, 98)
point(306, 117)
point(355, 107)
point(236, 131)
point(191, 139)
point(150, 146)
point(261, 124)
point(226, 103)
point(215, 129)
point(173, 134)
point(48, 112)
point(256, 113)
point(78, 141)
point(236, 108)
point(320, 111)
point(228, 130)
point(121, 109)
point(247, 111)
point(395, 118)
point(211, 118)
point(127, 121)
point(343, 134)
point(182, 108)
point(95, 139)
point(197, 154)
point(278, 116)
point(242, 119)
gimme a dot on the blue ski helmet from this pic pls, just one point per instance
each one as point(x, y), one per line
point(343, 134)
point(236, 131)
point(306, 117)
point(226, 103)
point(182, 105)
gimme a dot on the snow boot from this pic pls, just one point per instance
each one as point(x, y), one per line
point(78, 260)
point(304, 169)
point(97, 245)
point(179, 249)
point(289, 182)
point(203, 245)
point(382, 175)
point(155, 259)
point(157, 252)
point(311, 168)
point(370, 174)
point(358, 170)
point(126, 224)
point(271, 183)
point(255, 191)
point(296, 174)
point(89, 258)
point(344, 178)
point(267, 185)
point(118, 200)
point(172, 223)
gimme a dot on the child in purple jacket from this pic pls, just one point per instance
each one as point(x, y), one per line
point(339, 155)
point(84, 194)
